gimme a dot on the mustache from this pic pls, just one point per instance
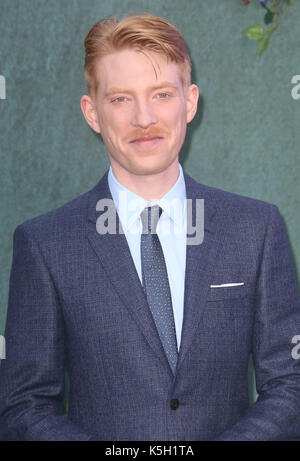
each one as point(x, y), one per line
point(153, 133)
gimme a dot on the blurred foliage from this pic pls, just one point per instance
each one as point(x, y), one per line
point(261, 34)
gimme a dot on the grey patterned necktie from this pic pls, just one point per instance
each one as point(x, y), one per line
point(156, 283)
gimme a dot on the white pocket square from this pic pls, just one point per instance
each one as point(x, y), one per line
point(227, 285)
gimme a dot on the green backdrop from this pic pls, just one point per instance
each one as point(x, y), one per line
point(245, 138)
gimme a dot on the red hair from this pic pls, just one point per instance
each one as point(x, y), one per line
point(143, 32)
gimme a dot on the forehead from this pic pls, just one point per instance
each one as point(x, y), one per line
point(134, 68)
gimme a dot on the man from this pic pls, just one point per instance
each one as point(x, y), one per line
point(155, 329)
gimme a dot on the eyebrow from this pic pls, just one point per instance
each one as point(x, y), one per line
point(154, 87)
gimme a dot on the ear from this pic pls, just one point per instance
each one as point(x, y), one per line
point(192, 96)
point(90, 113)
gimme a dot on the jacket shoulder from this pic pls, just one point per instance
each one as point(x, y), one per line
point(70, 214)
point(232, 205)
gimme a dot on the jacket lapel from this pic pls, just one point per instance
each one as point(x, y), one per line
point(199, 264)
point(114, 255)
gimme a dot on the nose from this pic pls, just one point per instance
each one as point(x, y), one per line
point(143, 115)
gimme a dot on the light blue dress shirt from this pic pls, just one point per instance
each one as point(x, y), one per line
point(171, 230)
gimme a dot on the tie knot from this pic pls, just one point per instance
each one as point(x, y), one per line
point(150, 217)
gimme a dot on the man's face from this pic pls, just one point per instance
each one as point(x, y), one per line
point(134, 101)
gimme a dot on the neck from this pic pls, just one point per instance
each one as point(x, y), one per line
point(150, 187)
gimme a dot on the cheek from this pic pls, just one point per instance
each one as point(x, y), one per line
point(178, 124)
point(174, 116)
point(117, 122)
point(112, 128)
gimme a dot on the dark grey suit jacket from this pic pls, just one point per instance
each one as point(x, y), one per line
point(76, 303)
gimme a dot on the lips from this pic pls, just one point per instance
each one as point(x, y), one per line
point(147, 143)
point(146, 139)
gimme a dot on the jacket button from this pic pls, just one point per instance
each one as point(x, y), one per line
point(174, 404)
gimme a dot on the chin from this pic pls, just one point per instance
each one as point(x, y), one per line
point(149, 168)
point(151, 165)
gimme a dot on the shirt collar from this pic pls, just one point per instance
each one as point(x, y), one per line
point(130, 205)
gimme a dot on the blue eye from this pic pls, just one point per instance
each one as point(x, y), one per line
point(163, 94)
point(118, 99)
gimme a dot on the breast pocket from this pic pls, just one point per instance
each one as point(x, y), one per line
point(226, 292)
